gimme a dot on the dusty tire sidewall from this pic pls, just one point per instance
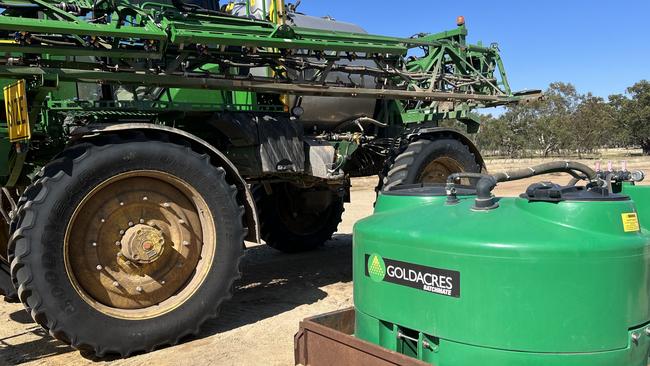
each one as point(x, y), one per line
point(60, 302)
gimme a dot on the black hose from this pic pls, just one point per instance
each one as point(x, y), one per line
point(195, 9)
point(53, 42)
point(553, 167)
point(486, 184)
point(19, 6)
point(97, 4)
point(358, 122)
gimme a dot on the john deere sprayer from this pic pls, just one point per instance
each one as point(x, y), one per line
point(144, 142)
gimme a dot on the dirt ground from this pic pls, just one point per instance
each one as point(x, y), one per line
point(275, 293)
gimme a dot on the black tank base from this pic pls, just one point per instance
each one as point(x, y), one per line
point(6, 286)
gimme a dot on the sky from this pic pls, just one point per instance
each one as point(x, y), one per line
point(599, 46)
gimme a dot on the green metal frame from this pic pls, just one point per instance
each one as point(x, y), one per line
point(155, 45)
point(135, 33)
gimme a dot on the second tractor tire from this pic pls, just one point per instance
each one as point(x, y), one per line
point(291, 223)
point(429, 161)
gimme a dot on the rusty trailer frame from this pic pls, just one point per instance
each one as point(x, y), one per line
point(328, 340)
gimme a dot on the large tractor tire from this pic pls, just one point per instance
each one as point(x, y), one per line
point(127, 244)
point(7, 288)
point(429, 161)
point(8, 202)
point(297, 219)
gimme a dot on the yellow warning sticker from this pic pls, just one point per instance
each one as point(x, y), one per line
point(631, 222)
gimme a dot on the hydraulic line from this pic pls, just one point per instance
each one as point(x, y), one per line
point(195, 9)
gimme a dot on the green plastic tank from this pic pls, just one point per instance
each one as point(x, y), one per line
point(558, 276)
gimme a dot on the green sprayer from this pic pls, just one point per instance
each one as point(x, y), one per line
point(144, 142)
point(451, 275)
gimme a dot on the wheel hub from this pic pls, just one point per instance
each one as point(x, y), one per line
point(142, 244)
point(438, 170)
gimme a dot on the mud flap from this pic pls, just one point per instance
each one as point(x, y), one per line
point(6, 286)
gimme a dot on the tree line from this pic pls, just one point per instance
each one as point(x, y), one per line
point(569, 123)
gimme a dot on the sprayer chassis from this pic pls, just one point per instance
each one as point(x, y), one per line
point(146, 137)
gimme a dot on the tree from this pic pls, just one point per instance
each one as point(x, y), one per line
point(593, 125)
point(567, 122)
point(541, 126)
point(633, 113)
point(496, 137)
point(555, 115)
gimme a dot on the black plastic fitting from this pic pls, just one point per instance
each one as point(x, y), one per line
point(485, 200)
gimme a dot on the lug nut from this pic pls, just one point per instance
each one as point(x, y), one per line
point(121, 203)
point(94, 244)
point(647, 331)
point(142, 221)
point(145, 198)
point(102, 220)
point(139, 289)
point(121, 232)
point(130, 223)
point(635, 337)
point(118, 243)
point(166, 204)
point(186, 243)
point(181, 222)
point(99, 268)
point(116, 284)
point(162, 282)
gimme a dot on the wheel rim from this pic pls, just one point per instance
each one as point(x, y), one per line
point(438, 170)
point(139, 245)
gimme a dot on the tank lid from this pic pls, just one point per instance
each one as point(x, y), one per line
point(428, 190)
point(551, 192)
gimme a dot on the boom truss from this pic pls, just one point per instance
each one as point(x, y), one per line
point(177, 46)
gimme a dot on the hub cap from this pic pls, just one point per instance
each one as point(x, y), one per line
point(142, 244)
point(139, 245)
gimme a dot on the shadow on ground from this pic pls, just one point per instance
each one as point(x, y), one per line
point(272, 283)
point(37, 348)
point(21, 317)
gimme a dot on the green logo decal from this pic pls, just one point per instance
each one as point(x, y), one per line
point(376, 268)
